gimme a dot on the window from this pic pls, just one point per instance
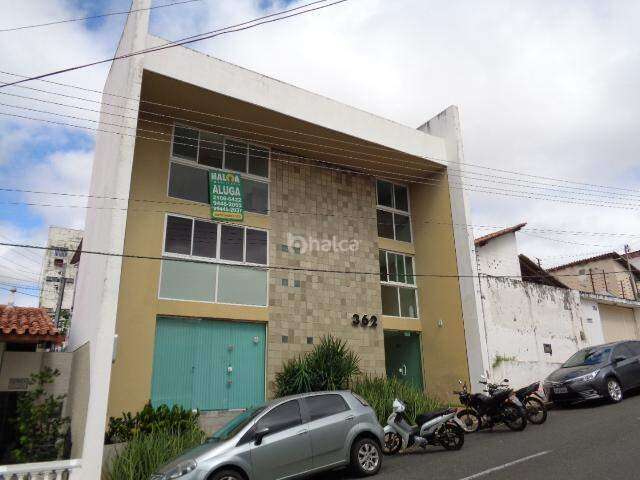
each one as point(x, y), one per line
point(195, 152)
point(281, 417)
point(394, 221)
point(59, 252)
point(634, 347)
point(622, 350)
point(398, 289)
point(231, 273)
point(320, 406)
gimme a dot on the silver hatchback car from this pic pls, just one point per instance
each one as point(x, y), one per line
point(288, 437)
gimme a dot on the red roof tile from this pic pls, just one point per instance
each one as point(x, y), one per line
point(27, 324)
point(484, 239)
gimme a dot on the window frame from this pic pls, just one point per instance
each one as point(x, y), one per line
point(217, 261)
point(399, 285)
point(196, 164)
point(394, 211)
point(307, 409)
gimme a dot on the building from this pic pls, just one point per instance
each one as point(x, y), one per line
point(344, 215)
point(608, 274)
point(56, 266)
point(24, 332)
point(533, 321)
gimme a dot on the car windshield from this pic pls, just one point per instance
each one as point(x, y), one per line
point(588, 356)
point(235, 425)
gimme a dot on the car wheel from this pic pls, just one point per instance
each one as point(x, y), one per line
point(226, 475)
point(366, 457)
point(614, 390)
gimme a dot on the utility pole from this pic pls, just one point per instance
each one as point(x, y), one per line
point(634, 287)
point(63, 282)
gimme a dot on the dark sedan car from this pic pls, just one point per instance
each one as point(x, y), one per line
point(601, 371)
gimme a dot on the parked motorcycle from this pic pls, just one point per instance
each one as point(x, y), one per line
point(433, 428)
point(530, 398)
point(486, 411)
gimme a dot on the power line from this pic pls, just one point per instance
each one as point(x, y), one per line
point(192, 39)
point(101, 15)
point(285, 268)
point(348, 167)
point(490, 178)
point(375, 147)
point(21, 293)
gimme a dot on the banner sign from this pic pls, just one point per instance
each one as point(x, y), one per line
point(225, 195)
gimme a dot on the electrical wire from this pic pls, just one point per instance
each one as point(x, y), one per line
point(264, 19)
point(284, 268)
point(21, 293)
point(91, 17)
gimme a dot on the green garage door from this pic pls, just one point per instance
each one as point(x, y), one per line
point(208, 364)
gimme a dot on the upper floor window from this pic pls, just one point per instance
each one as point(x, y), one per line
point(195, 152)
point(398, 285)
point(394, 221)
point(223, 263)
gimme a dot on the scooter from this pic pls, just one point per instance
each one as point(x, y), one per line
point(433, 428)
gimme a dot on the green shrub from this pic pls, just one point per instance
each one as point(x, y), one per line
point(146, 452)
point(380, 392)
point(39, 423)
point(176, 419)
point(331, 365)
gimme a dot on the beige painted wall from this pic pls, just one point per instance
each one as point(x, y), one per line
point(601, 280)
point(323, 305)
point(443, 348)
point(618, 323)
point(78, 398)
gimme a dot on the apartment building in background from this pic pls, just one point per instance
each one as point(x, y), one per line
point(56, 266)
point(259, 218)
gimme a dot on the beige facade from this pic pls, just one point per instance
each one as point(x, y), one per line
point(619, 323)
point(308, 297)
point(606, 276)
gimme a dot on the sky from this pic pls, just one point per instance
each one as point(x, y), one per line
point(548, 89)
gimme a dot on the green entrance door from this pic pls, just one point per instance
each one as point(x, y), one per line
point(208, 364)
point(402, 356)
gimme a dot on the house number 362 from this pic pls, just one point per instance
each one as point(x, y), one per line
point(364, 321)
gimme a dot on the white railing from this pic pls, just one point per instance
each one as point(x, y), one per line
point(58, 470)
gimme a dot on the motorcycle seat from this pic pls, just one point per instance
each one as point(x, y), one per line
point(427, 416)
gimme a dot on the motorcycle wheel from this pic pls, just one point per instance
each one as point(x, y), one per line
point(515, 418)
point(451, 437)
point(470, 420)
point(392, 443)
point(536, 411)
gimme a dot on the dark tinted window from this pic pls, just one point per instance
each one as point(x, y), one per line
point(189, 183)
point(385, 193)
point(320, 406)
point(588, 356)
point(403, 227)
point(256, 246)
point(385, 224)
point(390, 300)
point(205, 239)
point(211, 147)
point(382, 255)
point(282, 417)
point(634, 347)
point(235, 156)
point(178, 235)
point(622, 351)
point(258, 161)
point(255, 196)
point(231, 243)
point(185, 143)
point(401, 198)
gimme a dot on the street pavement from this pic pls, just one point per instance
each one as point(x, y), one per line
point(595, 441)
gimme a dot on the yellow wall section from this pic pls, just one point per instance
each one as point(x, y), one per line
point(443, 348)
point(138, 303)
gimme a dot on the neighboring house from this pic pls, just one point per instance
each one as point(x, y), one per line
point(204, 312)
point(605, 283)
point(606, 274)
point(56, 266)
point(25, 334)
point(532, 321)
point(634, 258)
